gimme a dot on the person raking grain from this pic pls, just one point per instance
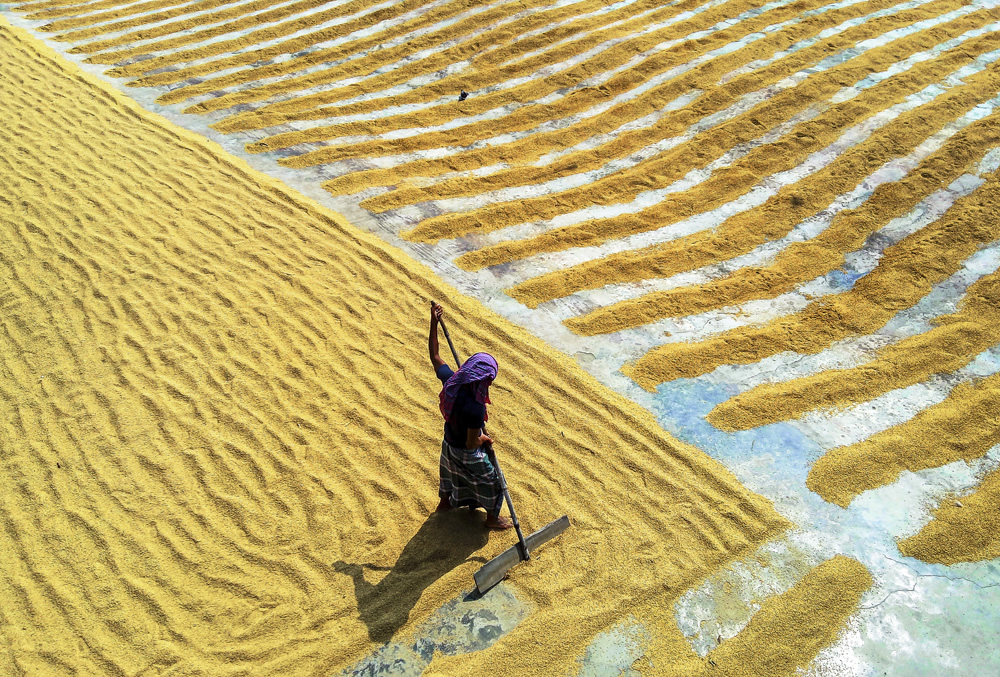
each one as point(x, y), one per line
point(468, 478)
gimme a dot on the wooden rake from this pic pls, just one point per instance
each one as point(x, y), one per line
point(496, 569)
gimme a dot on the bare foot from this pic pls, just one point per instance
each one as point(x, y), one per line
point(498, 523)
point(444, 505)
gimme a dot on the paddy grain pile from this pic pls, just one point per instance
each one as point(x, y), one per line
point(215, 405)
point(691, 159)
point(804, 179)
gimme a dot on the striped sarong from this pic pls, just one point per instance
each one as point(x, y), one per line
point(469, 479)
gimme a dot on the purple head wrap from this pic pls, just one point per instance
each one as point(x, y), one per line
point(479, 370)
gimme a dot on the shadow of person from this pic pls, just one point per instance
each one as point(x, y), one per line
point(444, 541)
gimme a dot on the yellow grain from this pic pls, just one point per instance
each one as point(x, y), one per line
point(783, 636)
point(187, 28)
point(725, 184)
point(371, 63)
point(429, 64)
point(43, 11)
point(800, 262)
point(308, 107)
point(270, 32)
point(704, 77)
point(964, 528)
point(846, 232)
point(962, 427)
point(951, 345)
point(215, 402)
point(108, 26)
point(790, 629)
point(906, 273)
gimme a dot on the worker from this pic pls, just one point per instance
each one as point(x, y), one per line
point(468, 478)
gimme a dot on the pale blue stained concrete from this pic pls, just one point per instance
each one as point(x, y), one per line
point(465, 624)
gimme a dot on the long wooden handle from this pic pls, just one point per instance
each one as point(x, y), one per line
point(493, 457)
point(454, 353)
point(525, 554)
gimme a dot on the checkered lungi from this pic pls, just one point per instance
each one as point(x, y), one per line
point(469, 479)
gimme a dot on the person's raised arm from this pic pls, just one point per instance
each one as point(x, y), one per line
point(432, 338)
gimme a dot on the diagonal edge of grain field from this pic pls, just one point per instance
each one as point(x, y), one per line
point(215, 401)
